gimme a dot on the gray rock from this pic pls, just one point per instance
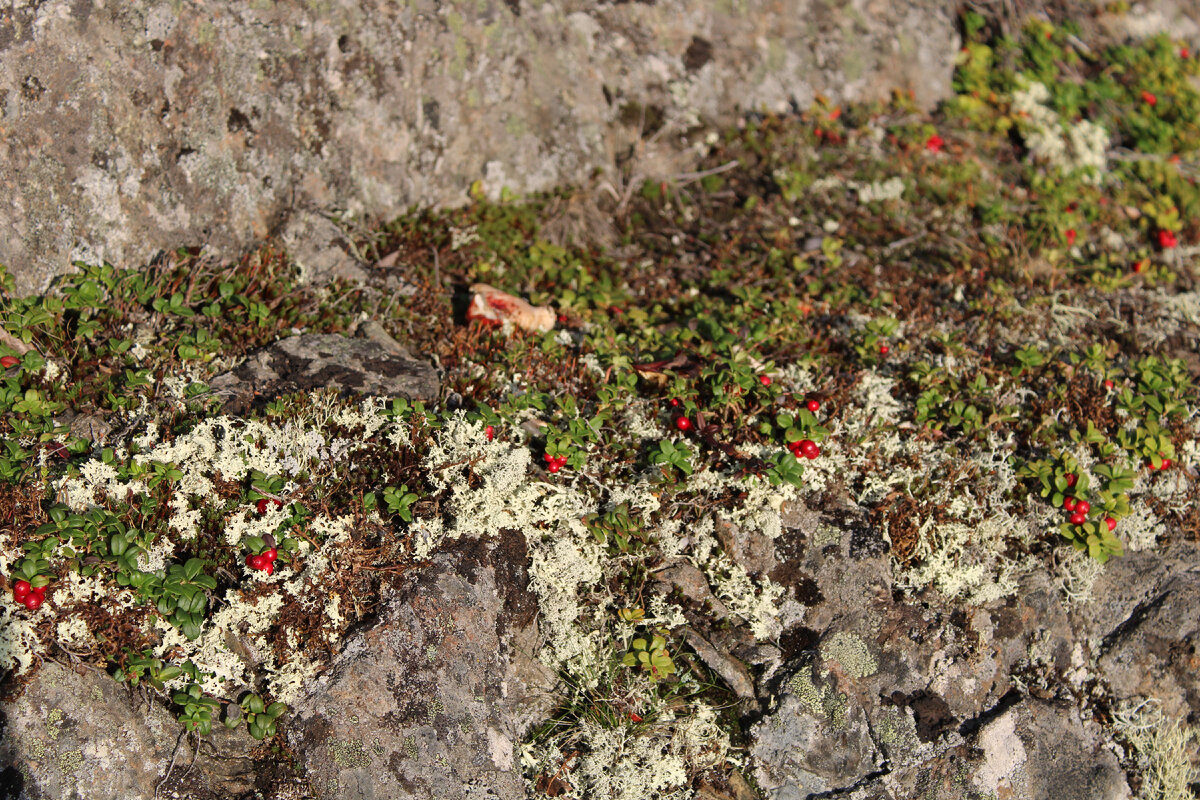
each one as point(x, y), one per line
point(132, 127)
point(314, 361)
point(1036, 749)
point(1153, 652)
point(431, 701)
point(817, 740)
point(73, 736)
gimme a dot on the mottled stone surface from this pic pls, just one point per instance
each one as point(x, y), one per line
point(432, 701)
point(318, 361)
point(136, 126)
point(83, 736)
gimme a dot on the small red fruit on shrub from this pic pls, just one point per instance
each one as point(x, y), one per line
point(1078, 518)
point(1083, 506)
point(1069, 504)
point(683, 423)
point(813, 406)
point(21, 590)
point(9, 361)
point(33, 601)
point(1110, 522)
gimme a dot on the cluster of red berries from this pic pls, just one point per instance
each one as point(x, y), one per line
point(31, 598)
point(9, 361)
point(264, 561)
point(1167, 239)
point(805, 448)
point(1079, 508)
point(554, 463)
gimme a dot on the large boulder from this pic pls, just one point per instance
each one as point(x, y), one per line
point(432, 700)
point(136, 126)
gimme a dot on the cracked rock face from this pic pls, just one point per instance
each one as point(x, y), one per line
point(314, 361)
point(133, 127)
point(432, 701)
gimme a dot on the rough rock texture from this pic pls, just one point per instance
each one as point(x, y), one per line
point(432, 701)
point(311, 361)
point(136, 126)
point(1147, 622)
point(83, 736)
point(879, 696)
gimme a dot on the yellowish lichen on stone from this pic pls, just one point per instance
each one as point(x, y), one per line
point(349, 754)
point(850, 653)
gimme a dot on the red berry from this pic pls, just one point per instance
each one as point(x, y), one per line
point(1167, 240)
point(1069, 503)
point(1071, 479)
point(258, 562)
point(490, 431)
point(33, 601)
point(683, 423)
point(1185, 53)
point(40, 591)
point(250, 561)
point(262, 506)
point(935, 143)
point(549, 459)
point(1110, 522)
point(554, 466)
point(674, 402)
point(9, 361)
point(1166, 463)
point(1148, 98)
point(1108, 384)
point(1070, 236)
point(813, 406)
point(1138, 266)
point(883, 349)
point(1078, 518)
point(1083, 506)
point(808, 448)
point(21, 590)
point(765, 380)
point(269, 568)
point(270, 554)
point(560, 462)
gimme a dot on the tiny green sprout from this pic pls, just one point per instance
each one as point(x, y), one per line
point(651, 657)
point(631, 614)
point(197, 709)
point(260, 717)
point(399, 501)
point(669, 454)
